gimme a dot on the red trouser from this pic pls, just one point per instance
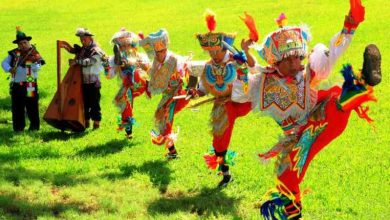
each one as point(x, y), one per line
point(141, 88)
point(179, 105)
point(234, 110)
point(335, 121)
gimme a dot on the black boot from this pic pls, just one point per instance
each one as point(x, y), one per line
point(172, 154)
point(227, 177)
point(372, 65)
point(129, 132)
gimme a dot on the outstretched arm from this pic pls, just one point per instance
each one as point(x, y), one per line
point(245, 47)
point(322, 59)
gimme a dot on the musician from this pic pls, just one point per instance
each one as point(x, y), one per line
point(23, 63)
point(89, 56)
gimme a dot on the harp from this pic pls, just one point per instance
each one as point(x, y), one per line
point(66, 110)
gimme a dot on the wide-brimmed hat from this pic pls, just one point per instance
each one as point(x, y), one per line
point(20, 36)
point(81, 32)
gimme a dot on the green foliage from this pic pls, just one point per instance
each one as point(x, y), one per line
point(101, 175)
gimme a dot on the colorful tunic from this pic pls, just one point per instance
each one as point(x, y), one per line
point(223, 83)
point(167, 79)
point(133, 84)
point(311, 119)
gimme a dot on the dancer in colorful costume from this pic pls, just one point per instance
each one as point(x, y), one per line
point(225, 76)
point(131, 66)
point(23, 63)
point(310, 119)
point(168, 74)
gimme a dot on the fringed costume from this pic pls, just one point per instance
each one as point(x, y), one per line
point(227, 81)
point(310, 118)
point(131, 67)
point(166, 78)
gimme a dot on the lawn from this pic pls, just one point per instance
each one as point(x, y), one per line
point(101, 175)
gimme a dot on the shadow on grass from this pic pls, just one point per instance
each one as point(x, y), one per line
point(16, 175)
point(7, 135)
point(13, 207)
point(207, 202)
point(58, 135)
point(16, 154)
point(111, 147)
point(5, 103)
point(159, 173)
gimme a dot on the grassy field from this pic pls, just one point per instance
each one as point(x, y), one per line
point(100, 175)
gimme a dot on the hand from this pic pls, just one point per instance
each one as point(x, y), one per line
point(192, 93)
point(72, 62)
point(245, 44)
point(350, 20)
point(12, 71)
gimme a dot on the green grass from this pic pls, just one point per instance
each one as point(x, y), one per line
point(100, 175)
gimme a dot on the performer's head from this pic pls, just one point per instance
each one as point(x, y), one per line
point(22, 40)
point(156, 45)
point(86, 37)
point(125, 40)
point(217, 55)
point(290, 65)
point(216, 43)
point(285, 48)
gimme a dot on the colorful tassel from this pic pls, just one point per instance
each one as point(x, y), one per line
point(229, 157)
point(213, 161)
point(281, 20)
point(157, 139)
point(210, 20)
point(279, 206)
point(250, 23)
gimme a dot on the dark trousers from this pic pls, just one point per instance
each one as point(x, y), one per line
point(92, 102)
point(21, 103)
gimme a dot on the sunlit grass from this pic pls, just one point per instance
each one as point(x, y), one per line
point(100, 175)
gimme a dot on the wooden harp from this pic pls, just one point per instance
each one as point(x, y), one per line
point(66, 109)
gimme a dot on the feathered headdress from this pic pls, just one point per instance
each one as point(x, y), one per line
point(285, 42)
point(155, 42)
point(124, 37)
point(250, 23)
point(213, 41)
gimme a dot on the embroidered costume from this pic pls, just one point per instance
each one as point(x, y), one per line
point(167, 77)
point(225, 77)
point(24, 63)
point(310, 118)
point(131, 67)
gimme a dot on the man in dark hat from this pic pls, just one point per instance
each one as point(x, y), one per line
point(23, 63)
point(89, 56)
